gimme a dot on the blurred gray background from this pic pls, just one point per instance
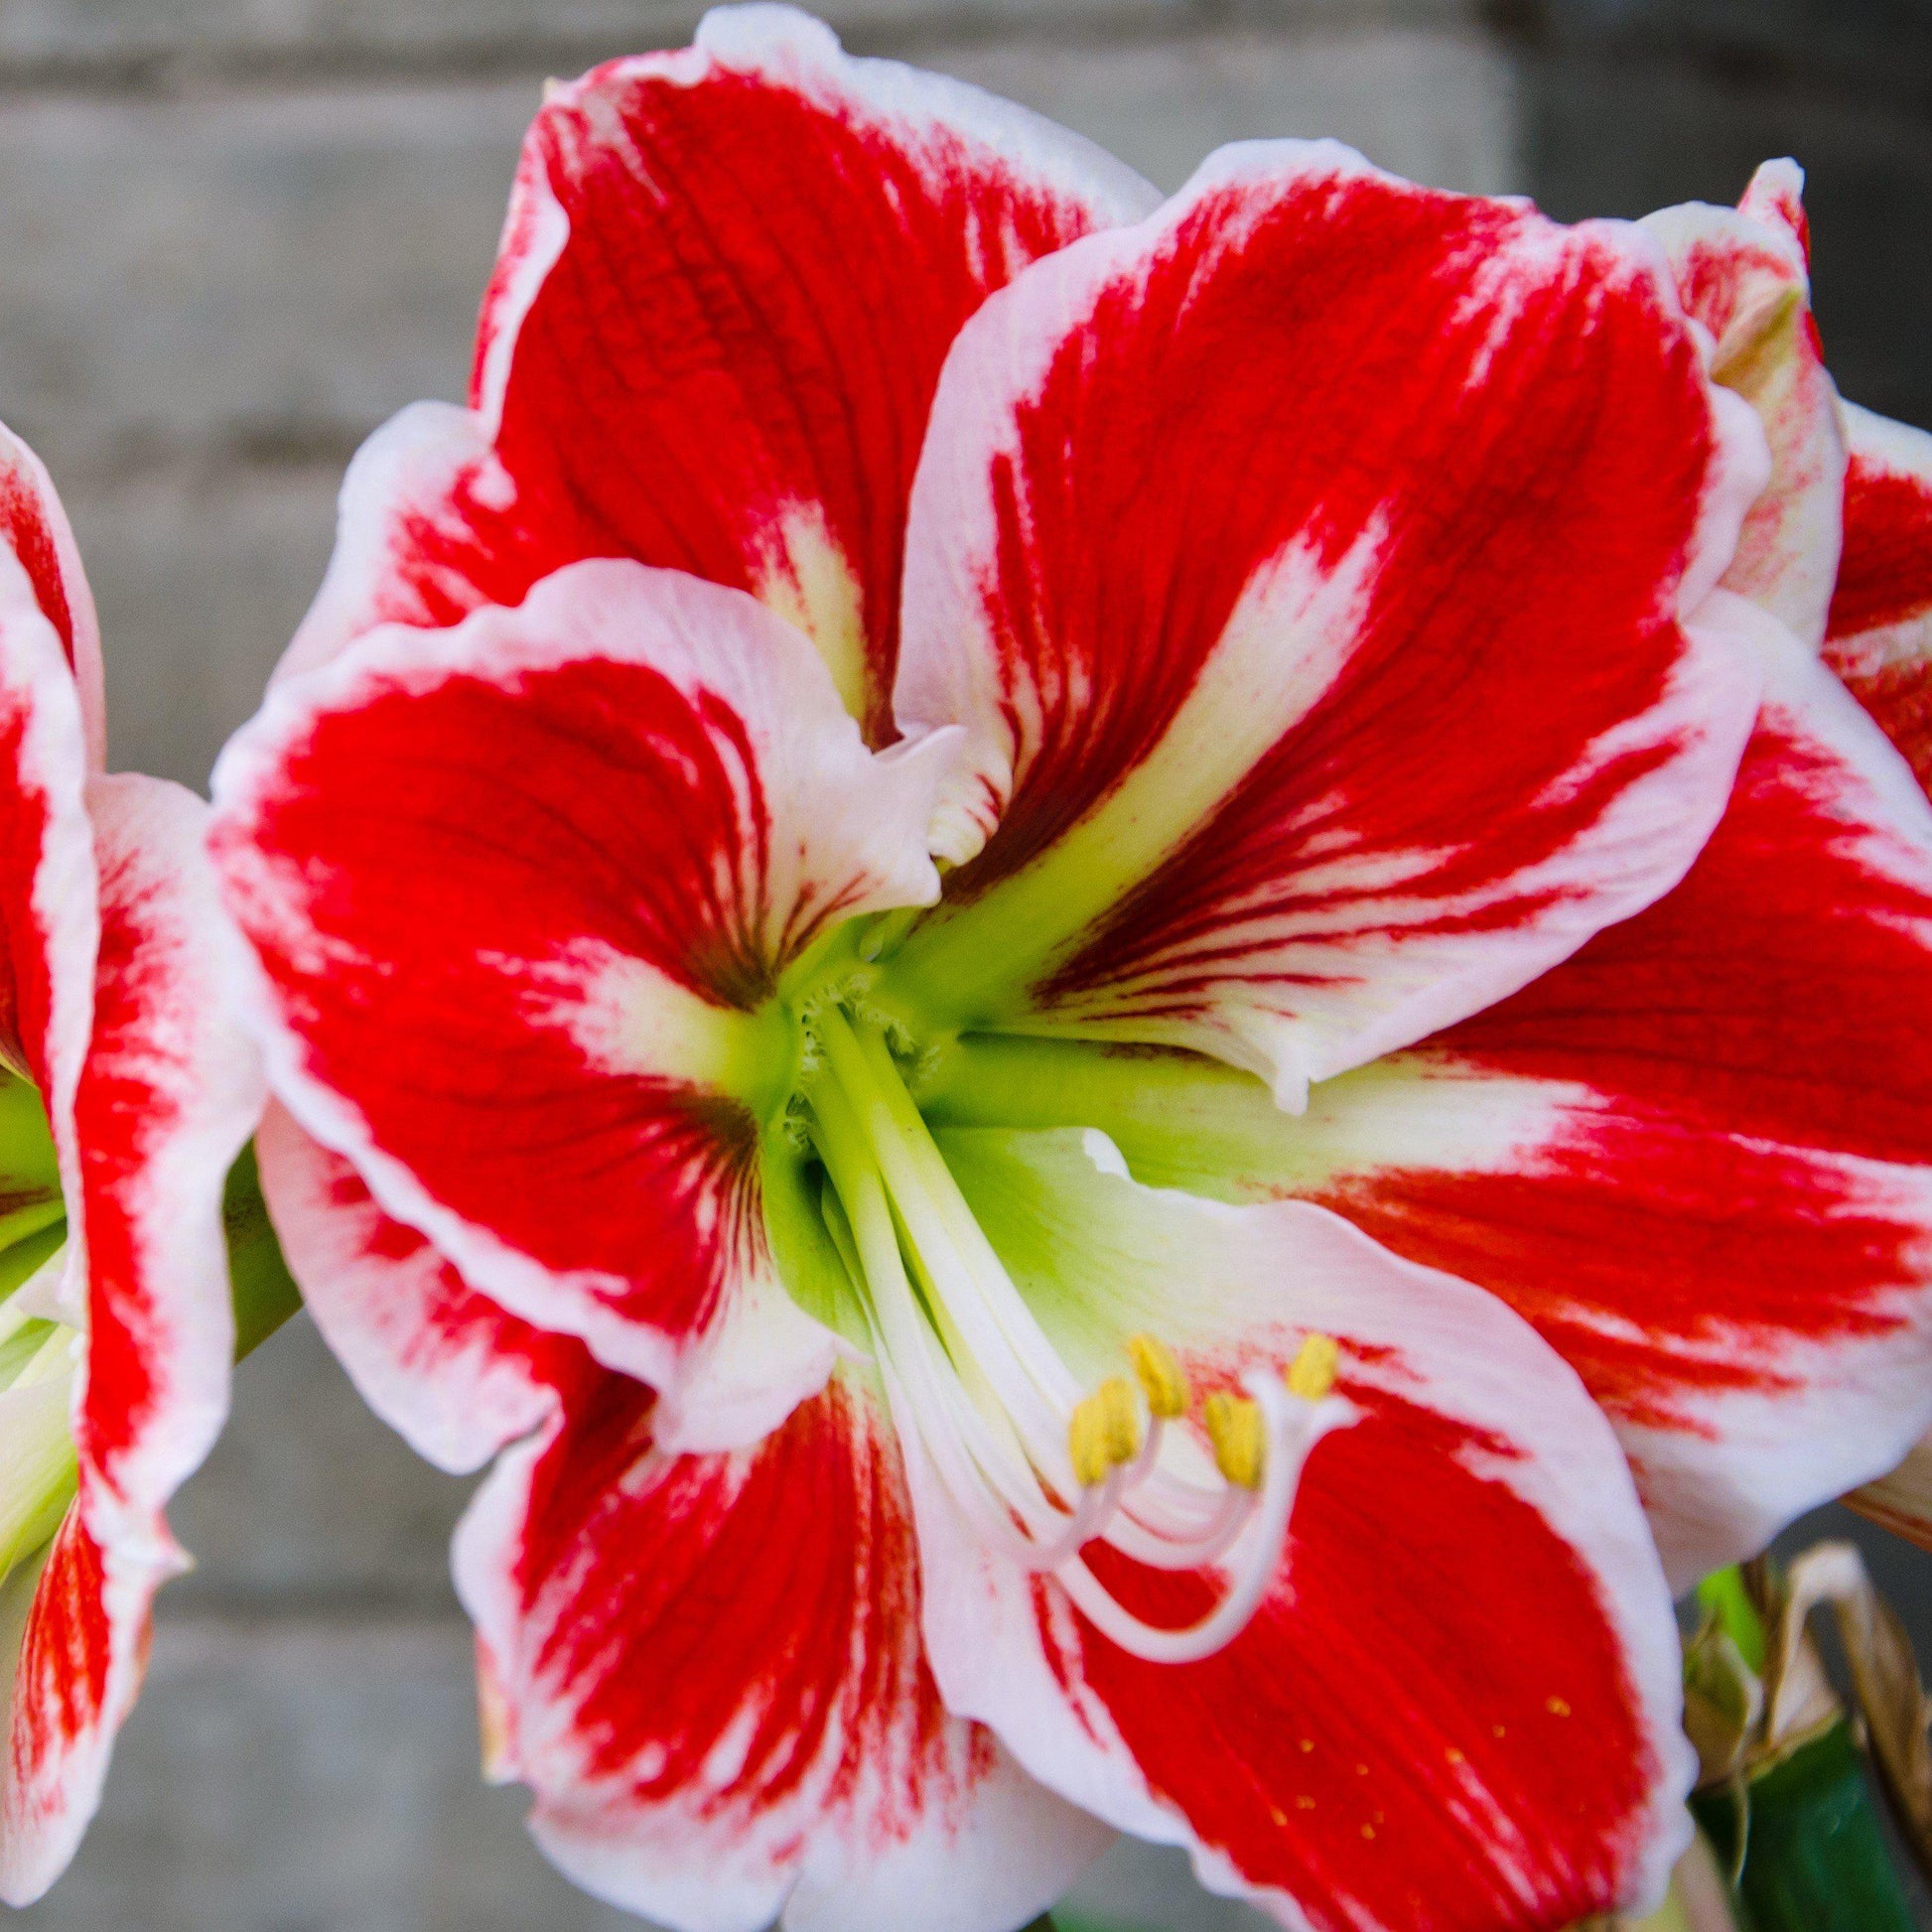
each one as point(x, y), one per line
point(236, 234)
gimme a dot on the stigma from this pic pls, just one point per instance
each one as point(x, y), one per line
point(1039, 1465)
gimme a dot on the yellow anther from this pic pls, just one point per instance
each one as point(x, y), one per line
point(1235, 1428)
point(1104, 1430)
point(1162, 1381)
point(1311, 1374)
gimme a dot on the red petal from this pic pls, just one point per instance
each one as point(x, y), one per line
point(1457, 1706)
point(1238, 537)
point(171, 1089)
point(1709, 1137)
point(729, 277)
point(49, 917)
point(521, 892)
point(168, 1095)
point(34, 526)
point(1880, 640)
point(710, 1670)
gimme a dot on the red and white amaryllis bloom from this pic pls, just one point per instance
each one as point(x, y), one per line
point(1016, 930)
point(126, 1091)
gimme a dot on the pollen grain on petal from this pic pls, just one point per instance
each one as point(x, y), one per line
point(1162, 1381)
point(1239, 1435)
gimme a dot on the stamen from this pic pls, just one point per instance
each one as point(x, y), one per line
point(1040, 1468)
point(1311, 1374)
point(1234, 1427)
point(1162, 1381)
point(1103, 1433)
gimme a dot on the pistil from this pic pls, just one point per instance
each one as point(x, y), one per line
point(1039, 1466)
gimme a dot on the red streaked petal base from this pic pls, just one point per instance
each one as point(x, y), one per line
point(1880, 640)
point(1742, 273)
point(710, 1670)
point(1695, 1157)
point(1230, 679)
point(520, 892)
point(728, 278)
point(1458, 1708)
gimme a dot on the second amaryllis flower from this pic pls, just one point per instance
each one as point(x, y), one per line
point(950, 1401)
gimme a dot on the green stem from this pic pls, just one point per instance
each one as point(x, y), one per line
point(1725, 1594)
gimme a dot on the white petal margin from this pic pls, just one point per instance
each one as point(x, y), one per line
point(1100, 1257)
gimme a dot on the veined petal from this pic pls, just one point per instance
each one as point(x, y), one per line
point(169, 1092)
point(171, 1089)
point(1742, 273)
point(1696, 1156)
point(1237, 536)
point(1880, 640)
point(73, 1628)
point(710, 1670)
point(728, 279)
point(34, 527)
point(49, 922)
point(1457, 1706)
point(520, 893)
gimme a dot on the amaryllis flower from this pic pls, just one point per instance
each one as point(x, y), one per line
point(1015, 931)
point(126, 1091)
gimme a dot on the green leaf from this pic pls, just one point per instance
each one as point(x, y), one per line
point(1814, 1858)
point(263, 1290)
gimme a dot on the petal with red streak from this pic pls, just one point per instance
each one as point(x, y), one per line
point(1880, 640)
point(728, 279)
point(49, 926)
point(1260, 550)
point(171, 1089)
point(169, 1092)
point(1457, 1705)
point(709, 1668)
point(520, 893)
point(34, 527)
point(1695, 1157)
point(1742, 273)
point(73, 1624)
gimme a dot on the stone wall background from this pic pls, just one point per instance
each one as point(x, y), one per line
point(234, 235)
